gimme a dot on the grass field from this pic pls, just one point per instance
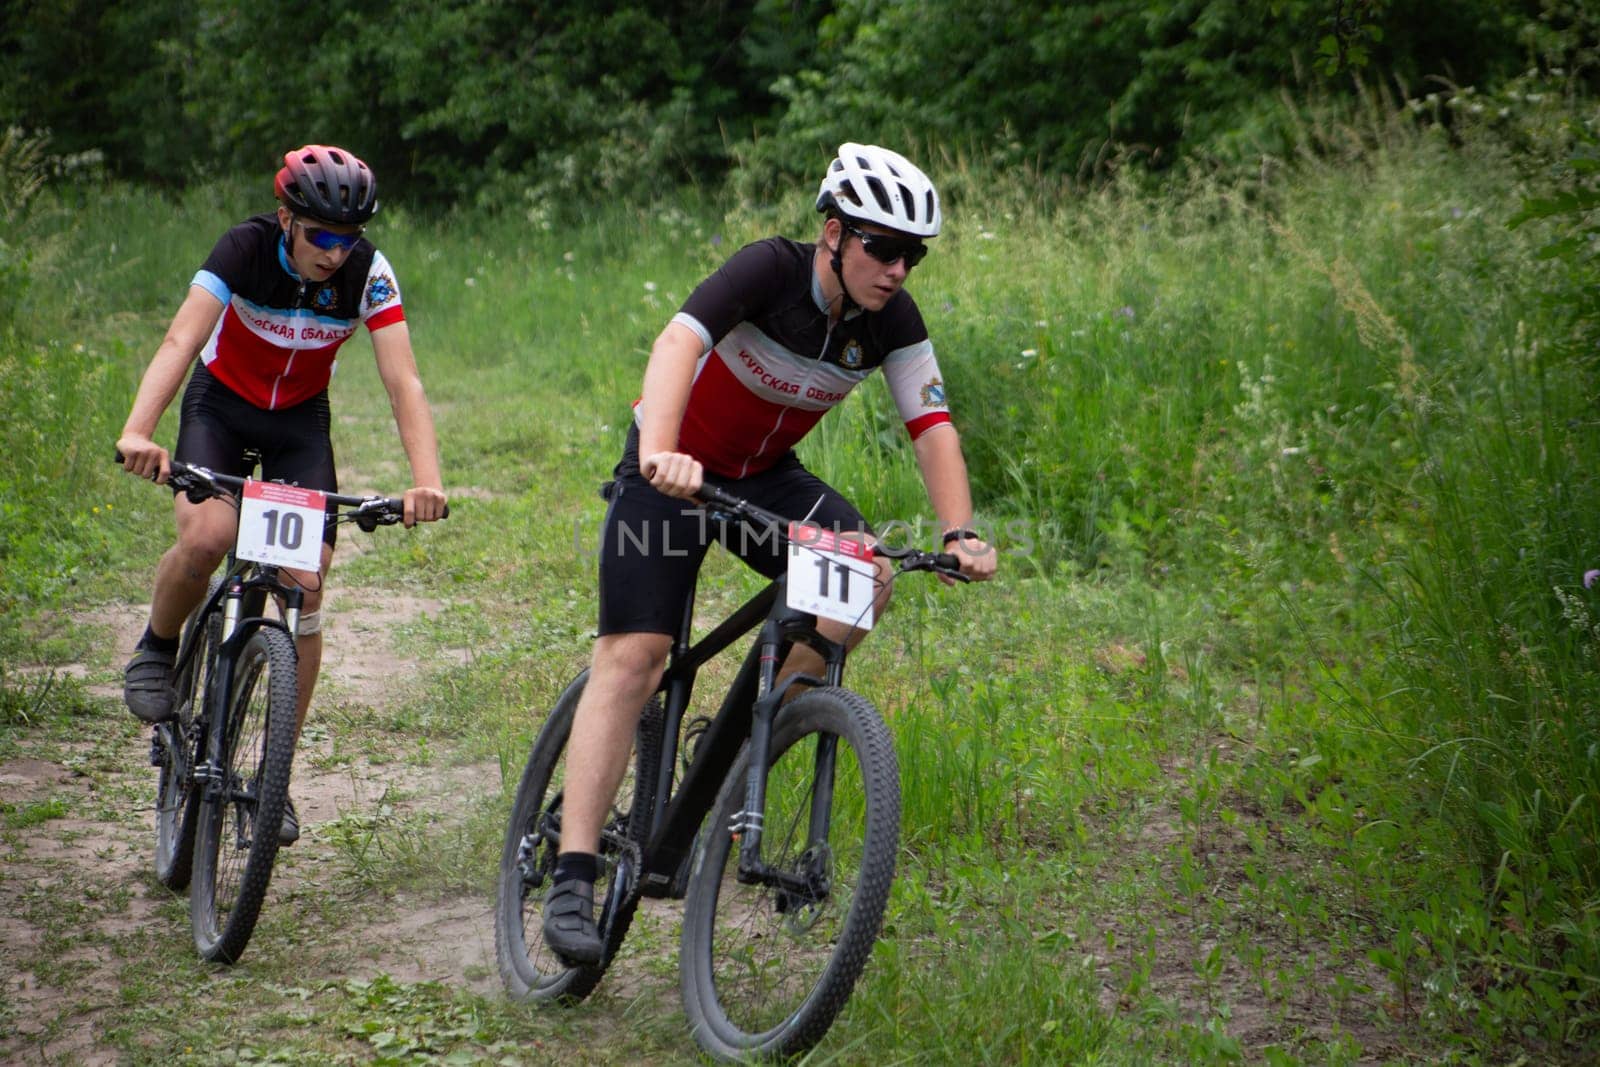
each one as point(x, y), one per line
point(1276, 741)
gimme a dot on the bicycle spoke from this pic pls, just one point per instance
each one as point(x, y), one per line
point(767, 965)
point(528, 967)
point(770, 945)
point(238, 835)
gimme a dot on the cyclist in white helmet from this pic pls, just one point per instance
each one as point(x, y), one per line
point(761, 350)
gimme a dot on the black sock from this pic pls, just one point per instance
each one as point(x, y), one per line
point(157, 644)
point(584, 866)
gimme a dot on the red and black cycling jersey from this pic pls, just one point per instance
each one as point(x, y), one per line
point(773, 366)
point(277, 341)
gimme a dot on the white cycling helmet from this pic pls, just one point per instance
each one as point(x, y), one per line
point(872, 184)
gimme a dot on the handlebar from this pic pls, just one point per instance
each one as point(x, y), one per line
point(908, 558)
point(368, 512)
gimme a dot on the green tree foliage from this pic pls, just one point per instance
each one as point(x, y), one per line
point(1067, 86)
point(105, 75)
point(466, 97)
point(568, 101)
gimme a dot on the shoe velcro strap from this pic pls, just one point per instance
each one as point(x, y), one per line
point(572, 896)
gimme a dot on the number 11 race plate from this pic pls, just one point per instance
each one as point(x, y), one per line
point(830, 576)
point(281, 524)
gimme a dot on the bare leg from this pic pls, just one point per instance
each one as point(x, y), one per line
point(205, 533)
point(625, 672)
point(309, 646)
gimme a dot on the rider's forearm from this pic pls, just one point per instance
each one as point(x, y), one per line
point(668, 378)
point(157, 388)
point(944, 472)
point(414, 419)
point(397, 369)
point(193, 323)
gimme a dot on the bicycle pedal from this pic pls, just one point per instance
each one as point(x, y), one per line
point(656, 885)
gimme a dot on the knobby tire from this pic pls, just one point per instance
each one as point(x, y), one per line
point(177, 801)
point(530, 970)
point(766, 971)
point(237, 837)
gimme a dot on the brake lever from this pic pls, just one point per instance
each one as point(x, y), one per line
point(945, 564)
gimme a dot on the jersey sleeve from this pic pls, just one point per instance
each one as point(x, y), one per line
point(225, 270)
point(380, 296)
point(911, 370)
point(740, 290)
point(917, 387)
point(212, 284)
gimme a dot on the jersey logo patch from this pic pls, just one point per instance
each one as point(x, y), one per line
point(327, 299)
point(933, 394)
point(380, 290)
point(850, 358)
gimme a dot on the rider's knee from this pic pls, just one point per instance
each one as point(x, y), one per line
point(642, 656)
point(204, 545)
point(311, 599)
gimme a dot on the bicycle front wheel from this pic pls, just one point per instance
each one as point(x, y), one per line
point(766, 967)
point(529, 969)
point(237, 838)
point(177, 801)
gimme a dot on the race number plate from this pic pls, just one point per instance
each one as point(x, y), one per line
point(829, 576)
point(281, 524)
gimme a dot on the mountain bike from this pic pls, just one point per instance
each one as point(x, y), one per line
point(223, 759)
point(786, 883)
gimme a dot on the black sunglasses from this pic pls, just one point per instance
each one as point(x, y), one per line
point(886, 248)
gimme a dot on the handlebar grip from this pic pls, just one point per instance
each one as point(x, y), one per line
point(398, 506)
point(947, 561)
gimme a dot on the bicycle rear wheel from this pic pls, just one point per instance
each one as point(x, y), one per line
point(529, 969)
point(766, 968)
point(177, 802)
point(237, 838)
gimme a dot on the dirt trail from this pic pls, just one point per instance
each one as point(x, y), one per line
point(78, 897)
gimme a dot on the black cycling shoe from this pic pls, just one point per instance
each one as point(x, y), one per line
point(569, 922)
point(147, 685)
point(289, 828)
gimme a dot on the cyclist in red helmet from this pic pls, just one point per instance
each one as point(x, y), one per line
point(266, 314)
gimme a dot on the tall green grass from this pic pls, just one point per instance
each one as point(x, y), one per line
point(1287, 695)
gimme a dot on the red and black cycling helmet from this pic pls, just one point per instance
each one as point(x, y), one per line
point(328, 184)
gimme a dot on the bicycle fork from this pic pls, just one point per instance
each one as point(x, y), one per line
point(807, 881)
point(210, 775)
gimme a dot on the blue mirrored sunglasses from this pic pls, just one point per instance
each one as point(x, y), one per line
point(328, 240)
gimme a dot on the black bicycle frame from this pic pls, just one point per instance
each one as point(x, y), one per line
point(240, 591)
point(747, 712)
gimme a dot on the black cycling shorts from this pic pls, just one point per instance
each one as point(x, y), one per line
point(218, 426)
point(652, 545)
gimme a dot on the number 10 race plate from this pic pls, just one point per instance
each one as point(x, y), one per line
point(281, 524)
point(830, 576)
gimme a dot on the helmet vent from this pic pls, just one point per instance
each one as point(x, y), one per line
point(327, 183)
point(880, 194)
point(869, 184)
